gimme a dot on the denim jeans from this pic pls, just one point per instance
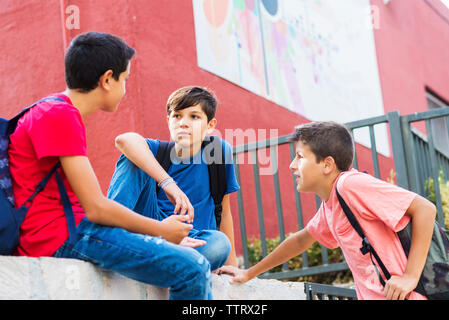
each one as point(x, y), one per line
point(144, 258)
point(217, 247)
point(136, 190)
point(152, 260)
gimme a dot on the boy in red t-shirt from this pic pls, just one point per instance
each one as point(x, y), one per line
point(109, 235)
point(324, 153)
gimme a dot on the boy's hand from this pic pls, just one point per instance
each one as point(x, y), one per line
point(398, 288)
point(180, 200)
point(174, 228)
point(192, 243)
point(239, 275)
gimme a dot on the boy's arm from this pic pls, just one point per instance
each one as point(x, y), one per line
point(227, 227)
point(136, 149)
point(289, 248)
point(423, 214)
point(104, 211)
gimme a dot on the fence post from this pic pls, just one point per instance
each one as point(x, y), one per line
point(397, 145)
point(434, 169)
point(241, 213)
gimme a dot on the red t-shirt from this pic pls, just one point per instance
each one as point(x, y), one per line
point(47, 131)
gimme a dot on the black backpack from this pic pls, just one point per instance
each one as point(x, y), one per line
point(433, 281)
point(10, 218)
point(215, 164)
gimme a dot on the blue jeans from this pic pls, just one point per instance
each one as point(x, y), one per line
point(152, 260)
point(136, 190)
point(144, 258)
point(217, 247)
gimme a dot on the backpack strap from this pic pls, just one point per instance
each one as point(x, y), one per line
point(217, 173)
point(66, 204)
point(41, 185)
point(12, 123)
point(366, 246)
point(7, 127)
point(68, 210)
point(163, 156)
point(215, 165)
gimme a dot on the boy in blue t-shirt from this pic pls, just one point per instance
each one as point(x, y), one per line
point(190, 116)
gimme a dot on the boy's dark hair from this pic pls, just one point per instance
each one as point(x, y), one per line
point(90, 55)
point(327, 138)
point(191, 96)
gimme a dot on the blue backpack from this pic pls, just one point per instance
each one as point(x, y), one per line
point(10, 218)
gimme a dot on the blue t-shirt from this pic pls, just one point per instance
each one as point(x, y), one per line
point(192, 177)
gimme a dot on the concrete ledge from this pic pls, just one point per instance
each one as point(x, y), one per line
point(23, 278)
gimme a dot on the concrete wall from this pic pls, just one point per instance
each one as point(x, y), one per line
point(70, 279)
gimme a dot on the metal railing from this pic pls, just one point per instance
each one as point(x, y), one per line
point(415, 159)
point(425, 160)
point(316, 291)
point(306, 269)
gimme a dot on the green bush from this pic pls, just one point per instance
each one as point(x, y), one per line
point(314, 259)
point(429, 187)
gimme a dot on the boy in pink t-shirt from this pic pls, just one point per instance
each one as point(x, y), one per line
point(324, 154)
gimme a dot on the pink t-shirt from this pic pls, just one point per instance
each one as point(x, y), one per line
point(49, 130)
point(380, 208)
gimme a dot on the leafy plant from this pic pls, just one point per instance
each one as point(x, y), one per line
point(429, 186)
point(392, 178)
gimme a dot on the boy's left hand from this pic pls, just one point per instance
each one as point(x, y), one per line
point(180, 200)
point(239, 275)
point(192, 242)
point(398, 288)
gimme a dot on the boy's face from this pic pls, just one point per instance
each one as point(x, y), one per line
point(116, 90)
point(189, 126)
point(307, 171)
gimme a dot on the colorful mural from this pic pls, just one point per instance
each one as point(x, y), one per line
point(314, 57)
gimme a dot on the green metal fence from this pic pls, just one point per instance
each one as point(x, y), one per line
point(315, 291)
point(415, 160)
point(285, 273)
point(425, 160)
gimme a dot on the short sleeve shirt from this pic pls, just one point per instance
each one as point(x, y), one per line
point(380, 208)
point(192, 176)
point(47, 131)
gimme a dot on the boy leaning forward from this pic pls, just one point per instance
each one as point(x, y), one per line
point(324, 153)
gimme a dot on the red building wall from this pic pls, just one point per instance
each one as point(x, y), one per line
point(411, 46)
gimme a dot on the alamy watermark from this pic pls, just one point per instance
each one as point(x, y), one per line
point(264, 149)
point(72, 18)
point(373, 20)
point(72, 281)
